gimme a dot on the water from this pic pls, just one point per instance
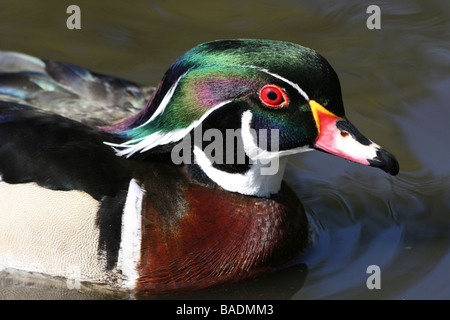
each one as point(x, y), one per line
point(395, 84)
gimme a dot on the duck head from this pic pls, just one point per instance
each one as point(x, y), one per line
point(277, 98)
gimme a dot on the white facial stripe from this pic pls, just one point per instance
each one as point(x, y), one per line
point(253, 151)
point(275, 75)
point(159, 138)
point(292, 84)
point(130, 245)
point(143, 144)
point(265, 174)
point(147, 143)
point(251, 183)
point(165, 101)
point(130, 146)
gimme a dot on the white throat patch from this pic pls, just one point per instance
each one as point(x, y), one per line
point(251, 182)
point(265, 174)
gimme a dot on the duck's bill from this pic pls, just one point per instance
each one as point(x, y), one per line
point(341, 138)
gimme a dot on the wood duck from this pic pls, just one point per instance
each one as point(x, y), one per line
point(114, 204)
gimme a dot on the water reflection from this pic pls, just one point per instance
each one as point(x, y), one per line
point(399, 224)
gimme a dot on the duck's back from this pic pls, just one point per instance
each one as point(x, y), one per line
point(69, 90)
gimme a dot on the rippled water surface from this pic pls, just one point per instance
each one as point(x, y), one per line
point(395, 84)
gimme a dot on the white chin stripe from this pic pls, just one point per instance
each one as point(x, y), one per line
point(165, 101)
point(160, 138)
point(266, 171)
point(253, 151)
point(253, 182)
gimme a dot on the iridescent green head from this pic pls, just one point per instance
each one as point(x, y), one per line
point(227, 73)
point(252, 86)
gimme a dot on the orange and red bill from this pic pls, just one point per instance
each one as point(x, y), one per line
point(340, 137)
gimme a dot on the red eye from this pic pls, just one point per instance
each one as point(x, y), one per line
point(273, 96)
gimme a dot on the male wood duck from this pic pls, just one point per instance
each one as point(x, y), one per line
point(108, 203)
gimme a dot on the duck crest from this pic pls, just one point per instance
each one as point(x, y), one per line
point(203, 80)
point(194, 96)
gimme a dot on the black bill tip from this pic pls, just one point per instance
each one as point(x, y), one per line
point(385, 161)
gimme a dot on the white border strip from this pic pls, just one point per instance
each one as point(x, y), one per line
point(131, 235)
